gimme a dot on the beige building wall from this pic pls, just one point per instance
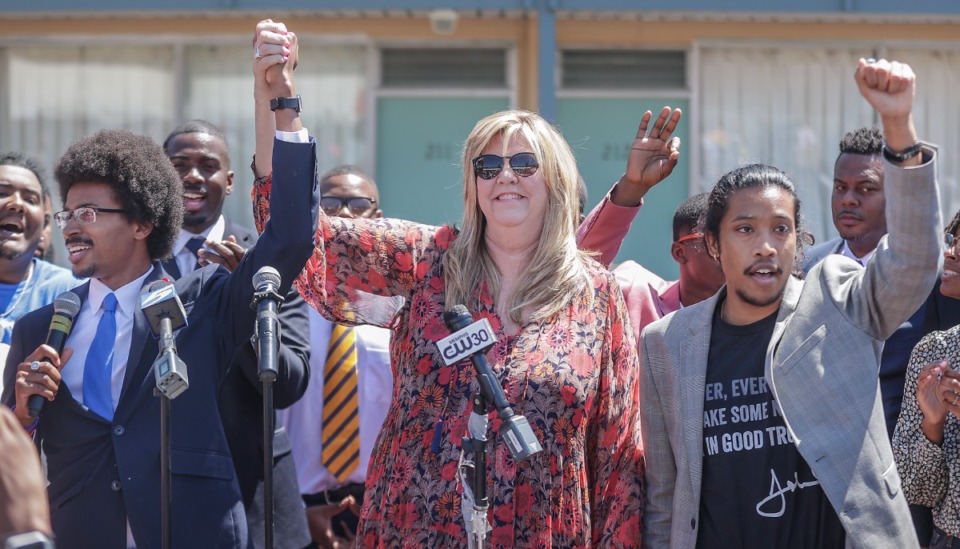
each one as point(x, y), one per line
point(627, 31)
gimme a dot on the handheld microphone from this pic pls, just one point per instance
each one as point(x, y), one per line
point(164, 312)
point(471, 339)
point(266, 300)
point(65, 309)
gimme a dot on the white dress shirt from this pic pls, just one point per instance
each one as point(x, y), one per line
point(845, 250)
point(374, 389)
point(85, 328)
point(186, 261)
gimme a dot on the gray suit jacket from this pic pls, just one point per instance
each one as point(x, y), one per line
point(815, 254)
point(821, 366)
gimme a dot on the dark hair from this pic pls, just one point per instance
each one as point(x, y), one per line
point(867, 141)
point(954, 223)
point(689, 215)
point(197, 126)
point(348, 169)
point(28, 163)
point(582, 194)
point(748, 177)
point(139, 174)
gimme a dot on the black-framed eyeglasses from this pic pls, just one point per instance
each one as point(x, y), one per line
point(488, 166)
point(84, 216)
point(950, 242)
point(356, 204)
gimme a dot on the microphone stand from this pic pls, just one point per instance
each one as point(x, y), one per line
point(160, 366)
point(267, 357)
point(475, 503)
point(166, 483)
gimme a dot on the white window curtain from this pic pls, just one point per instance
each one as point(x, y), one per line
point(52, 95)
point(788, 107)
point(332, 80)
point(937, 114)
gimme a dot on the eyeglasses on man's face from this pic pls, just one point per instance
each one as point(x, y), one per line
point(83, 216)
point(358, 205)
point(489, 166)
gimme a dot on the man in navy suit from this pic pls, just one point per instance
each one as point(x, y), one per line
point(123, 208)
point(198, 151)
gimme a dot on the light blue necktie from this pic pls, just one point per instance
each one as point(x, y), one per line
point(99, 366)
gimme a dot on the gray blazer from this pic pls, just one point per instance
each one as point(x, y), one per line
point(815, 254)
point(821, 366)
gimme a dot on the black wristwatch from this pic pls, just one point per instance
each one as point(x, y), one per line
point(285, 103)
point(899, 157)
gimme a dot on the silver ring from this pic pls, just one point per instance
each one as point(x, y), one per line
point(35, 365)
point(256, 52)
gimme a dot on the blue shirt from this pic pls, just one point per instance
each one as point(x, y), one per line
point(46, 282)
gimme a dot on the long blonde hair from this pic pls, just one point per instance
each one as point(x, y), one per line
point(557, 271)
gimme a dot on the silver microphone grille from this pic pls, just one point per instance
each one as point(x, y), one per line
point(67, 303)
point(266, 275)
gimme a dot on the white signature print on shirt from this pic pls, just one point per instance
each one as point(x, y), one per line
point(779, 492)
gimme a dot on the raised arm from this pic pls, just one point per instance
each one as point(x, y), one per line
point(653, 156)
point(360, 270)
point(276, 52)
point(899, 278)
point(286, 241)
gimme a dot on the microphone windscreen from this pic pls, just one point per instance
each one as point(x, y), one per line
point(67, 304)
point(266, 275)
point(457, 317)
point(155, 285)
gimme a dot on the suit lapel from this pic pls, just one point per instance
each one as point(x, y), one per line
point(791, 296)
point(140, 340)
point(245, 237)
point(669, 300)
point(694, 354)
point(170, 266)
point(64, 395)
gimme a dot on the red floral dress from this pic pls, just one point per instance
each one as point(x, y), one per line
point(574, 377)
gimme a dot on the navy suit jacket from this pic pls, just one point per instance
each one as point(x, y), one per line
point(103, 474)
point(241, 408)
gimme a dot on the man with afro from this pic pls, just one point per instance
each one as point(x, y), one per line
point(100, 427)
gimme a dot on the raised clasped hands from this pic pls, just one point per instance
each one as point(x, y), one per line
point(654, 154)
point(276, 54)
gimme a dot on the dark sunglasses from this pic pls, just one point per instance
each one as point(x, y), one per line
point(356, 204)
point(488, 166)
point(950, 241)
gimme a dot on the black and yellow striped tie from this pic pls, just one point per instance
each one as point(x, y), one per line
point(341, 413)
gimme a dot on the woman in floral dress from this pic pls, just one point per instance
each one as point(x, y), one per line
point(564, 355)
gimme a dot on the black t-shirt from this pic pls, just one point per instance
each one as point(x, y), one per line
point(757, 490)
